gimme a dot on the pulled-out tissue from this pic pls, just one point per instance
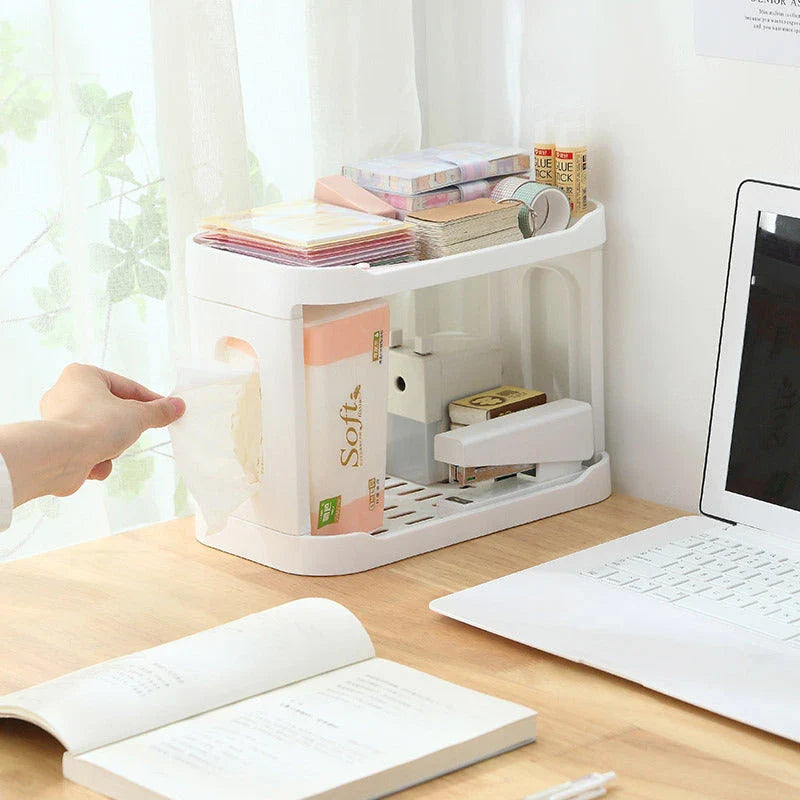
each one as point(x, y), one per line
point(217, 443)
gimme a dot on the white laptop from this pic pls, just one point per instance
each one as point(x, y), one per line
point(704, 608)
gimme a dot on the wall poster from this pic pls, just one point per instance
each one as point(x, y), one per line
point(752, 30)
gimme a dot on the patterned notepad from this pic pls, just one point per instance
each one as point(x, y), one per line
point(436, 167)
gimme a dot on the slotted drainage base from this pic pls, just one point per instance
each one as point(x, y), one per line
point(406, 503)
point(416, 519)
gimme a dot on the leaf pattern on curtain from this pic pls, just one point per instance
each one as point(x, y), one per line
point(125, 281)
point(128, 256)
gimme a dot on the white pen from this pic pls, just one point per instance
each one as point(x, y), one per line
point(585, 788)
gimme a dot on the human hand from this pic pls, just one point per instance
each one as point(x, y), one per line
point(102, 414)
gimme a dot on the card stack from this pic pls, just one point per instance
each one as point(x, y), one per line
point(311, 234)
point(461, 227)
point(493, 403)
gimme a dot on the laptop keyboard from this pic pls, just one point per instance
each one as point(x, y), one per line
point(738, 583)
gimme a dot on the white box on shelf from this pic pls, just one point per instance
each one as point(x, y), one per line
point(423, 379)
point(262, 303)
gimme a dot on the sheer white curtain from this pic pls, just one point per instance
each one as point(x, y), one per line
point(122, 125)
point(325, 82)
point(470, 88)
point(200, 126)
point(84, 262)
point(468, 56)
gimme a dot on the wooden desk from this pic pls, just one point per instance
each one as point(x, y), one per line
point(64, 610)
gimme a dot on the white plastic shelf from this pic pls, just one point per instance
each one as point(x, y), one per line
point(273, 289)
point(260, 302)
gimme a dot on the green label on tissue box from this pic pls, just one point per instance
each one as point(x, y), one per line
point(329, 511)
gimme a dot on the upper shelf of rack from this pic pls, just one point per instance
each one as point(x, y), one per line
point(280, 290)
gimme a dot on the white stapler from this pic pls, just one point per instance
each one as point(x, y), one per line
point(554, 438)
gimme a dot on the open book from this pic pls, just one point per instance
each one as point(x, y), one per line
point(287, 703)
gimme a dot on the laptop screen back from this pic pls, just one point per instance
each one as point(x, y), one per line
point(765, 443)
point(752, 469)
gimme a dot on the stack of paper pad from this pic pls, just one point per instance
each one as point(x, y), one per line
point(311, 234)
point(406, 203)
point(435, 167)
point(460, 227)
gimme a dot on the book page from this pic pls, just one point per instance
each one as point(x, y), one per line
point(360, 731)
point(136, 693)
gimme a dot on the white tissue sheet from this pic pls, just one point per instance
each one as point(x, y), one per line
point(217, 443)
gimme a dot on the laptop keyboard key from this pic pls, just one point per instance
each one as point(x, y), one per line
point(721, 564)
point(765, 580)
point(751, 589)
point(773, 596)
point(681, 568)
point(764, 608)
point(756, 562)
point(717, 593)
point(700, 559)
point(788, 615)
point(712, 548)
point(655, 558)
point(780, 569)
point(745, 573)
point(643, 585)
point(670, 593)
point(638, 568)
point(792, 580)
point(691, 586)
point(727, 583)
point(704, 575)
point(620, 578)
point(740, 601)
point(672, 580)
point(599, 572)
point(694, 541)
point(673, 551)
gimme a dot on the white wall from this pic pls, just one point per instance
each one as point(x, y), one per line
point(672, 135)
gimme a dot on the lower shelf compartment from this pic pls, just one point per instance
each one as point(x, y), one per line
point(417, 519)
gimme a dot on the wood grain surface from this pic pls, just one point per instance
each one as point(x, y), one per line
point(67, 609)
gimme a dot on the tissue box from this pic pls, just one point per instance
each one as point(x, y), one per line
point(346, 390)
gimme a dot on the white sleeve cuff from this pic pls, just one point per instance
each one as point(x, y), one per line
point(6, 496)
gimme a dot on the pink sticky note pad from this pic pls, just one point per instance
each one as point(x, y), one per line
point(341, 191)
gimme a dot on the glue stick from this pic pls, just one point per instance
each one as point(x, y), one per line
point(544, 149)
point(571, 163)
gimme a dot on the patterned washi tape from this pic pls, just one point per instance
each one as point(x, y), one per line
point(545, 209)
point(505, 191)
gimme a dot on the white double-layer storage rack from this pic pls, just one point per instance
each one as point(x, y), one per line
point(540, 298)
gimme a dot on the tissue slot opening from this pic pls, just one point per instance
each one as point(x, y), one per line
point(236, 352)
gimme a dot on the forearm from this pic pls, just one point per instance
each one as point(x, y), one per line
point(44, 457)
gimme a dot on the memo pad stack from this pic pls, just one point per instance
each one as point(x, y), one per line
point(461, 227)
point(408, 203)
point(437, 167)
point(311, 234)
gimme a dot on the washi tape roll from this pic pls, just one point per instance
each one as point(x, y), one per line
point(545, 209)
